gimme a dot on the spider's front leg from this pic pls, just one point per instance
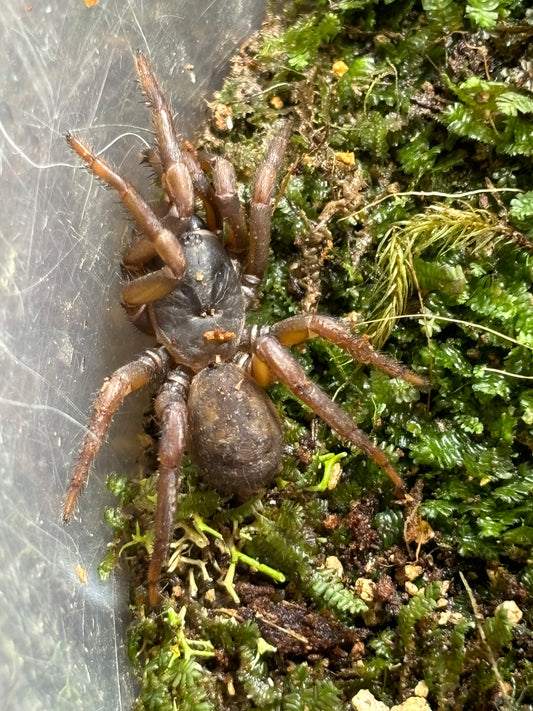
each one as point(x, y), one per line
point(228, 203)
point(164, 242)
point(260, 208)
point(171, 409)
point(175, 178)
point(285, 368)
point(125, 380)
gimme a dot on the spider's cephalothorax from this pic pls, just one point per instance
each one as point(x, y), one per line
point(201, 320)
point(191, 292)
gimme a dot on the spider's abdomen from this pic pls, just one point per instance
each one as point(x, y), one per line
point(235, 433)
point(201, 321)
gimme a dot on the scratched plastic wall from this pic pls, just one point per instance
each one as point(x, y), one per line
point(67, 66)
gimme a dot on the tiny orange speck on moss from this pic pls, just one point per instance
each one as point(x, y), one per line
point(276, 102)
point(223, 117)
point(339, 68)
point(348, 158)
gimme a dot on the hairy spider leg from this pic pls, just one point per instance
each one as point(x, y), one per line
point(171, 410)
point(202, 187)
point(201, 184)
point(165, 243)
point(175, 178)
point(228, 203)
point(146, 289)
point(179, 170)
point(125, 380)
point(140, 251)
point(260, 207)
point(286, 369)
point(300, 328)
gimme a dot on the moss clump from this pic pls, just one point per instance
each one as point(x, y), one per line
point(408, 208)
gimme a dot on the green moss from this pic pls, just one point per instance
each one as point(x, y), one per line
point(409, 206)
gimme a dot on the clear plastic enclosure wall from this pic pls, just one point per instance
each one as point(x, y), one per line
point(69, 66)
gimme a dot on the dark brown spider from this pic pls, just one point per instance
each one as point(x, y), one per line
point(191, 292)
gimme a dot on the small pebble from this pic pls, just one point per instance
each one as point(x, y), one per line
point(514, 613)
point(364, 700)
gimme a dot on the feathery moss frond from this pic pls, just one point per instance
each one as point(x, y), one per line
point(441, 229)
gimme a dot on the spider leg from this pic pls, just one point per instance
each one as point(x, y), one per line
point(286, 369)
point(300, 328)
point(138, 253)
point(228, 203)
point(125, 380)
point(165, 243)
point(148, 288)
point(260, 208)
point(175, 177)
point(171, 409)
point(141, 249)
point(202, 187)
point(200, 182)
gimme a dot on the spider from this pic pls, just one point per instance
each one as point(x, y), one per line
point(191, 290)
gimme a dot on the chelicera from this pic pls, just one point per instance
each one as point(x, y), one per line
point(190, 283)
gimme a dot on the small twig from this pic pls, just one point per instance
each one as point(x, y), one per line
point(479, 619)
point(430, 193)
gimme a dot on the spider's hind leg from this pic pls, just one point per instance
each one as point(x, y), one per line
point(300, 328)
point(171, 409)
point(286, 369)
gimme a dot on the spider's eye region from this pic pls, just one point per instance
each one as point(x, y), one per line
point(192, 239)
